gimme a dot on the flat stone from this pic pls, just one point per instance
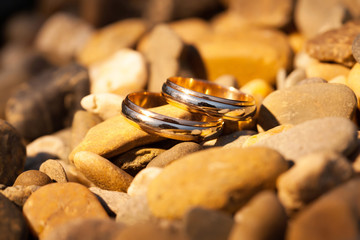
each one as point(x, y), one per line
point(315, 16)
point(74, 175)
point(94, 229)
point(325, 134)
point(234, 175)
point(102, 172)
point(312, 176)
point(205, 224)
point(136, 159)
point(54, 170)
point(62, 48)
point(262, 218)
point(81, 124)
point(335, 45)
point(233, 52)
point(19, 194)
point(68, 201)
point(330, 217)
point(264, 13)
point(32, 177)
point(12, 152)
point(109, 39)
point(12, 223)
point(168, 56)
point(113, 200)
point(301, 103)
point(105, 105)
point(174, 153)
point(47, 111)
point(140, 184)
point(103, 139)
point(125, 71)
point(326, 71)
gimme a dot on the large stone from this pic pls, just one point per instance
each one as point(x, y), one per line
point(174, 153)
point(325, 134)
point(102, 172)
point(62, 48)
point(125, 71)
point(264, 13)
point(103, 139)
point(335, 45)
point(106, 105)
point(333, 216)
point(262, 218)
point(47, 102)
point(312, 176)
point(107, 40)
point(247, 54)
point(94, 229)
point(136, 159)
point(12, 153)
point(215, 179)
point(12, 222)
point(32, 177)
point(58, 203)
point(169, 56)
point(301, 103)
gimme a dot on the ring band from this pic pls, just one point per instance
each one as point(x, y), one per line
point(210, 98)
point(134, 108)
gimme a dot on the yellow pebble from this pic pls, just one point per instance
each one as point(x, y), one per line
point(296, 41)
point(257, 137)
point(339, 79)
point(326, 71)
point(257, 87)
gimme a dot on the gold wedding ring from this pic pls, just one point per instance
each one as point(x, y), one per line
point(135, 105)
point(209, 98)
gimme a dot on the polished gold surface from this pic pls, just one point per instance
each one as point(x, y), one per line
point(135, 108)
point(209, 98)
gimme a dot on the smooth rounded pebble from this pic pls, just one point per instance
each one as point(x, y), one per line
point(300, 103)
point(106, 105)
point(54, 170)
point(114, 200)
point(141, 181)
point(324, 134)
point(102, 172)
point(32, 177)
point(174, 153)
point(216, 178)
point(312, 176)
point(12, 152)
point(59, 203)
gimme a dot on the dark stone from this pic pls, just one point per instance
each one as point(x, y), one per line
point(12, 222)
point(48, 102)
point(12, 153)
point(32, 177)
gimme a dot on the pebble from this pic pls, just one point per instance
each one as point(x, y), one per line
point(352, 80)
point(140, 184)
point(326, 71)
point(74, 175)
point(81, 124)
point(105, 105)
point(263, 13)
point(258, 88)
point(174, 153)
point(333, 216)
point(32, 177)
point(168, 56)
point(312, 80)
point(263, 135)
point(112, 200)
point(325, 134)
point(205, 224)
point(62, 48)
point(103, 139)
point(45, 112)
point(229, 140)
point(12, 152)
point(191, 30)
point(68, 201)
point(123, 72)
point(335, 45)
point(227, 81)
point(94, 229)
point(294, 77)
point(54, 170)
point(219, 175)
point(102, 172)
point(12, 223)
point(262, 218)
point(312, 176)
point(105, 41)
point(136, 159)
point(301, 103)
point(19, 194)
